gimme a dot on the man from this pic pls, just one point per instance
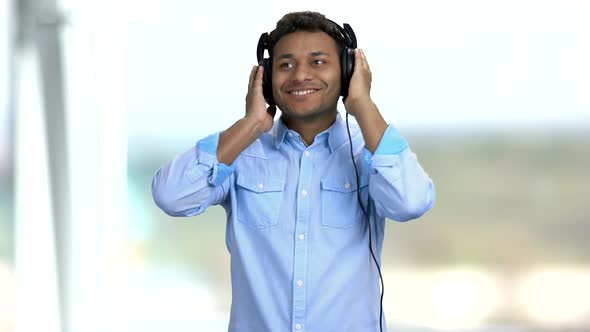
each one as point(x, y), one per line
point(298, 217)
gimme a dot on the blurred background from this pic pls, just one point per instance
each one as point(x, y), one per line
point(493, 96)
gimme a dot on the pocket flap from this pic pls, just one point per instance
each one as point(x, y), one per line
point(343, 184)
point(261, 184)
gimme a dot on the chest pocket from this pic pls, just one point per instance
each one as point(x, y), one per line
point(340, 206)
point(259, 200)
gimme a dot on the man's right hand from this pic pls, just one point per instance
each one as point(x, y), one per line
point(256, 109)
point(257, 121)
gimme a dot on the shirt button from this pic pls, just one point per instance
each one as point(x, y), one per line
point(298, 326)
point(304, 192)
point(260, 185)
point(290, 134)
point(301, 237)
point(299, 283)
point(347, 185)
point(307, 153)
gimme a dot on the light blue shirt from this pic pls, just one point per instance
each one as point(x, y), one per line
point(297, 237)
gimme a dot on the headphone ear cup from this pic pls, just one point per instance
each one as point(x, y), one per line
point(346, 70)
point(267, 81)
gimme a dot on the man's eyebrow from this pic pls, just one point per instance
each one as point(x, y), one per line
point(286, 56)
point(318, 53)
point(291, 56)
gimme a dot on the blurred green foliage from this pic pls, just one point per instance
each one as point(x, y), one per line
point(503, 201)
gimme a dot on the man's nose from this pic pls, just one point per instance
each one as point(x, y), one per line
point(302, 73)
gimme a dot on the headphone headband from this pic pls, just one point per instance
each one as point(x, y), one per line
point(347, 34)
point(262, 45)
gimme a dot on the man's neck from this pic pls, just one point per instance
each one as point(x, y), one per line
point(309, 128)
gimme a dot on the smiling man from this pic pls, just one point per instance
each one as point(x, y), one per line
point(306, 201)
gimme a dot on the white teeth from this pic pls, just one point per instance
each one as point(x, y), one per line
point(301, 93)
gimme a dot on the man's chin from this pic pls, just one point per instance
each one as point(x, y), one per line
point(300, 112)
point(307, 114)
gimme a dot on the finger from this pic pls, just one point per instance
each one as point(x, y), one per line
point(258, 77)
point(363, 58)
point(358, 59)
point(365, 62)
point(252, 75)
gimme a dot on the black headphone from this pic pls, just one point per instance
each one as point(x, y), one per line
point(346, 61)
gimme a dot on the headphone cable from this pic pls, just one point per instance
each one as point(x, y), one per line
point(358, 196)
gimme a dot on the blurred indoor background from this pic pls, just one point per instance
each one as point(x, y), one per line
point(95, 95)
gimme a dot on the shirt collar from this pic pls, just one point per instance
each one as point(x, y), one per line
point(337, 133)
point(279, 132)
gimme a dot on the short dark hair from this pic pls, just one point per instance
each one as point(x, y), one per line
point(304, 21)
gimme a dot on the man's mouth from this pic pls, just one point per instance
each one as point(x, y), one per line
point(303, 92)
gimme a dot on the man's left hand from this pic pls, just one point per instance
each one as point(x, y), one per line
point(360, 85)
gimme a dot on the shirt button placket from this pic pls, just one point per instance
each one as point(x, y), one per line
point(301, 228)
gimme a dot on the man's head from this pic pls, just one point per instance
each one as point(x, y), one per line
point(304, 21)
point(305, 53)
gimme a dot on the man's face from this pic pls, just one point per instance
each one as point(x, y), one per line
point(306, 74)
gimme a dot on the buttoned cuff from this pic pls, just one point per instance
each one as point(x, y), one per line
point(391, 143)
point(388, 150)
point(207, 155)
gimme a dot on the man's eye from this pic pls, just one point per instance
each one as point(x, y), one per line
point(285, 65)
point(318, 62)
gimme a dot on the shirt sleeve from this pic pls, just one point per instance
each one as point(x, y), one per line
point(193, 180)
point(398, 184)
point(207, 155)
